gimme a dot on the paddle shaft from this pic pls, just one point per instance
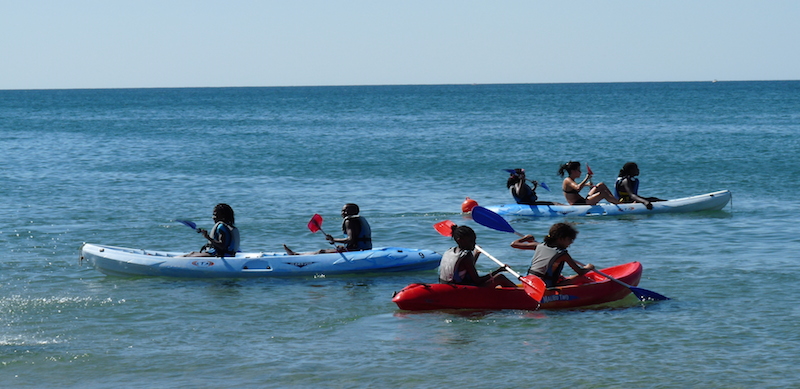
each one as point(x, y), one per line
point(319, 226)
point(534, 292)
point(497, 261)
point(606, 276)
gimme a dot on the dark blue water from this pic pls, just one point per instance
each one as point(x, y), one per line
point(118, 166)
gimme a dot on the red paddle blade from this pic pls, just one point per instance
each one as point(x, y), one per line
point(534, 287)
point(315, 224)
point(589, 170)
point(444, 227)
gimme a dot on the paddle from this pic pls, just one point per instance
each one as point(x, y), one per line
point(189, 224)
point(589, 170)
point(487, 218)
point(315, 224)
point(534, 286)
point(542, 184)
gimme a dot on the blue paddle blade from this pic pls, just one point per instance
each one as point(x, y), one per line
point(188, 223)
point(490, 219)
point(647, 295)
point(544, 185)
point(511, 171)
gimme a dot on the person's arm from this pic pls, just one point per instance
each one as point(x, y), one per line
point(467, 263)
point(626, 184)
point(577, 186)
point(219, 245)
point(351, 229)
point(577, 268)
point(527, 242)
point(518, 188)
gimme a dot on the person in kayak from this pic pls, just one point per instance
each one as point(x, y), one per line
point(458, 263)
point(572, 188)
point(519, 188)
point(550, 257)
point(355, 227)
point(521, 191)
point(224, 238)
point(627, 186)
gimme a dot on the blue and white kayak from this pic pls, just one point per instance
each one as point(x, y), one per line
point(706, 202)
point(125, 262)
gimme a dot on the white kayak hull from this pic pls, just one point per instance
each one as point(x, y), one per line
point(706, 202)
point(126, 262)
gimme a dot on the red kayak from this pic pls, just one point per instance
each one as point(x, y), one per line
point(590, 290)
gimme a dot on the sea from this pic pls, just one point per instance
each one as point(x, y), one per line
point(120, 166)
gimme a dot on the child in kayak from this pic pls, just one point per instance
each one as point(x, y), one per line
point(521, 191)
point(224, 238)
point(627, 186)
point(458, 263)
point(550, 256)
point(573, 188)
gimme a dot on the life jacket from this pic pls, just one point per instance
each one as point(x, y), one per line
point(620, 192)
point(447, 267)
point(528, 196)
point(225, 233)
point(364, 239)
point(542, 264)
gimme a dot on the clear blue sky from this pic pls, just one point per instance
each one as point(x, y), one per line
point(177, 43)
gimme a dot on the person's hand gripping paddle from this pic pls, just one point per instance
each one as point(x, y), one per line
point(315, 224)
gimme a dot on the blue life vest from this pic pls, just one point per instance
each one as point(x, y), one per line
point(619, 191)
point(528, 196)
point(225, 233)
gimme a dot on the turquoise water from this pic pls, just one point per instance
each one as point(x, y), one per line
point(119, 166)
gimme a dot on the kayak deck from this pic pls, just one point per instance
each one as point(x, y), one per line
point(121, 261)
point(706, 202)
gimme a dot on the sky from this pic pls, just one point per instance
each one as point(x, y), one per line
point(198, 43)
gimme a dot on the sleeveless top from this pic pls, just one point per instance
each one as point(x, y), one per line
point(542, 264)
point(364, 239)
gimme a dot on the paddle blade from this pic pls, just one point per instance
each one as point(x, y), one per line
point(534, 287)
point(444, 227)
point(490, 219)
point(315, 224)
point(647, 295)
point(544, 185)
point(188, 223)
point(589, 170)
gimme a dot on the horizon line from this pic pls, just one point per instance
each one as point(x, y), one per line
point(388, 85)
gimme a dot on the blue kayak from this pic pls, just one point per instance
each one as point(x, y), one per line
point(126, 262)
point(706, 202)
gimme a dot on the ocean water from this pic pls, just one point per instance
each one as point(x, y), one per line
point(119, 166)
